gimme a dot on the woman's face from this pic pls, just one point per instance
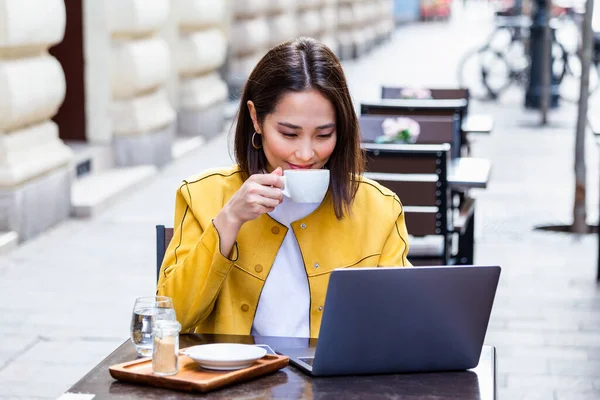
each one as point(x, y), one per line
point(299, 133)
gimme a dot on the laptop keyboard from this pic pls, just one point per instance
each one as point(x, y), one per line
point(308, 360)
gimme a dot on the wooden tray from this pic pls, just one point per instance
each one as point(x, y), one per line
point(192, 377)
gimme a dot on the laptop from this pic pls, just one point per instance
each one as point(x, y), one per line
point(393, 320)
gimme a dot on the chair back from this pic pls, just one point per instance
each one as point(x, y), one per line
point(163, 238)
point(434, 130)
point(409, 107)
point(393, 92)
point(418, 174)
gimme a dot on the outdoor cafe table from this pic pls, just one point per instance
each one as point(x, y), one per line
point(478, 383)
point(465, 173)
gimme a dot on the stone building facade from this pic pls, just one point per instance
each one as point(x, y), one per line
point(130, 79)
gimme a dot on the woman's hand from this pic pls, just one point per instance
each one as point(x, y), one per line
point(260, 194)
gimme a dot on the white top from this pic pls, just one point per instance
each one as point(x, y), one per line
point(283, 307)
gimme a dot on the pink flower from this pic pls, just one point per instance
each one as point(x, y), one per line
point(401, 128)
point(415, 93)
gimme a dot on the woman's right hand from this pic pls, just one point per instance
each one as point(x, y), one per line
point(260, 194)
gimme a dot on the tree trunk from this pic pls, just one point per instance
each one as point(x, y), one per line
point(579, 208)
point(546, 64)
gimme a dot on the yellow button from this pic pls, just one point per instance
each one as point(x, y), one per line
point(245, 307)
point(258, 268)
point(320, 308)
point(275, 230)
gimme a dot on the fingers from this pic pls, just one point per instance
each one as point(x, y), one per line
point(277, 171)
point(268, 180)
point(263, 201)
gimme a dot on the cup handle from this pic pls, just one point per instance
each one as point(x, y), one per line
point(285, 191)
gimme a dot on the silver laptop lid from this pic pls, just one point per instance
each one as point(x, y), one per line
point(379, 320)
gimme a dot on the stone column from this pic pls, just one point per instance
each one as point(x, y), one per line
point(249, 40)
point(201, 51)
point(329, 17)
point(310, 22)
point(281, 18)
point(143, 120)
point(35, 173)
point(384, 20)
point(345, 29)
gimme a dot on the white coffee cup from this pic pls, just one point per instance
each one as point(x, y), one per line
point(305, 185)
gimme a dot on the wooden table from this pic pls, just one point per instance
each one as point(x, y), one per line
point(478, 383)
point(469, 173)
point(464, 173)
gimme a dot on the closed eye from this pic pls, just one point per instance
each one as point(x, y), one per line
point(327, 136)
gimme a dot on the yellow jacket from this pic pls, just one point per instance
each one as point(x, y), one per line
point(215, 294)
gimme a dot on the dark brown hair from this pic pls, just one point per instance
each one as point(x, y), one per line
point(296, 66)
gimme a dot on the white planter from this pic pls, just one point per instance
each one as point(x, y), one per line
point(142, 114)
point(201, 52)
point(139, 66)
point(195, 14)
point(31, 90)
point(134, 17)
point(31, 23)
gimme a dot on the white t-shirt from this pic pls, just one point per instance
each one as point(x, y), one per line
point(283, 307)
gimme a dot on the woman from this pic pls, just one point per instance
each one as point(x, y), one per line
point(243, 258)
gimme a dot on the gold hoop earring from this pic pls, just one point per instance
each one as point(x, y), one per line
point(253, 144)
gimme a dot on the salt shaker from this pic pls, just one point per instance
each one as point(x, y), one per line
point(165, 349)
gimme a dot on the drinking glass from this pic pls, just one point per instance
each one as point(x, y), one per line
point(146, 310)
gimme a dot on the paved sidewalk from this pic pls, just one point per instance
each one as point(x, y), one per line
point(68, 293)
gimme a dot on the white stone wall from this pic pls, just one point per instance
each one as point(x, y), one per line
point(249, 38)
point(140, 65)
point(32, 88)
point(128, 69)
point(201, 49)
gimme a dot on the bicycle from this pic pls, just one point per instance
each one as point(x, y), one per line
point(504, 60)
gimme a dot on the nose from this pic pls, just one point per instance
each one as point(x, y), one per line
point(305, 151)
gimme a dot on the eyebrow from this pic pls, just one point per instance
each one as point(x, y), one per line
point(292, 126)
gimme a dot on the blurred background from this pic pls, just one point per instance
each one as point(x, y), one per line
point(106, 105)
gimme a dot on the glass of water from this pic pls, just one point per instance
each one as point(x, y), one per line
point(146, 310)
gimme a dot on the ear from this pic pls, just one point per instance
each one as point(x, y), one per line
point(252, 110)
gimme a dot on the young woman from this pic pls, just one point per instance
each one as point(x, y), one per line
point(245, 259)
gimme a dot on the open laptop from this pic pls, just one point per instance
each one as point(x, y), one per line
point(390, 320)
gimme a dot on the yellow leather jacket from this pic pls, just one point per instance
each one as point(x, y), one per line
point(217, 294)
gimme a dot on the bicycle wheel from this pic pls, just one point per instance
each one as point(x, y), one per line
point(485, 73)
point(569, 89)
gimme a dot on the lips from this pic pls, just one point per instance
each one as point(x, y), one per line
point(294, 166)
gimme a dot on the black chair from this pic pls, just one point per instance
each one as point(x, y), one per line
point(422, 109)
point(434, 130)
point(469, 124)
point(163, 238)
point(418, 174)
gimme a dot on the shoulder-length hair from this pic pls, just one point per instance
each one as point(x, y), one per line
point(296, 66)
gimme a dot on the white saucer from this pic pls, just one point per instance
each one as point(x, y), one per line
point(224, 356)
